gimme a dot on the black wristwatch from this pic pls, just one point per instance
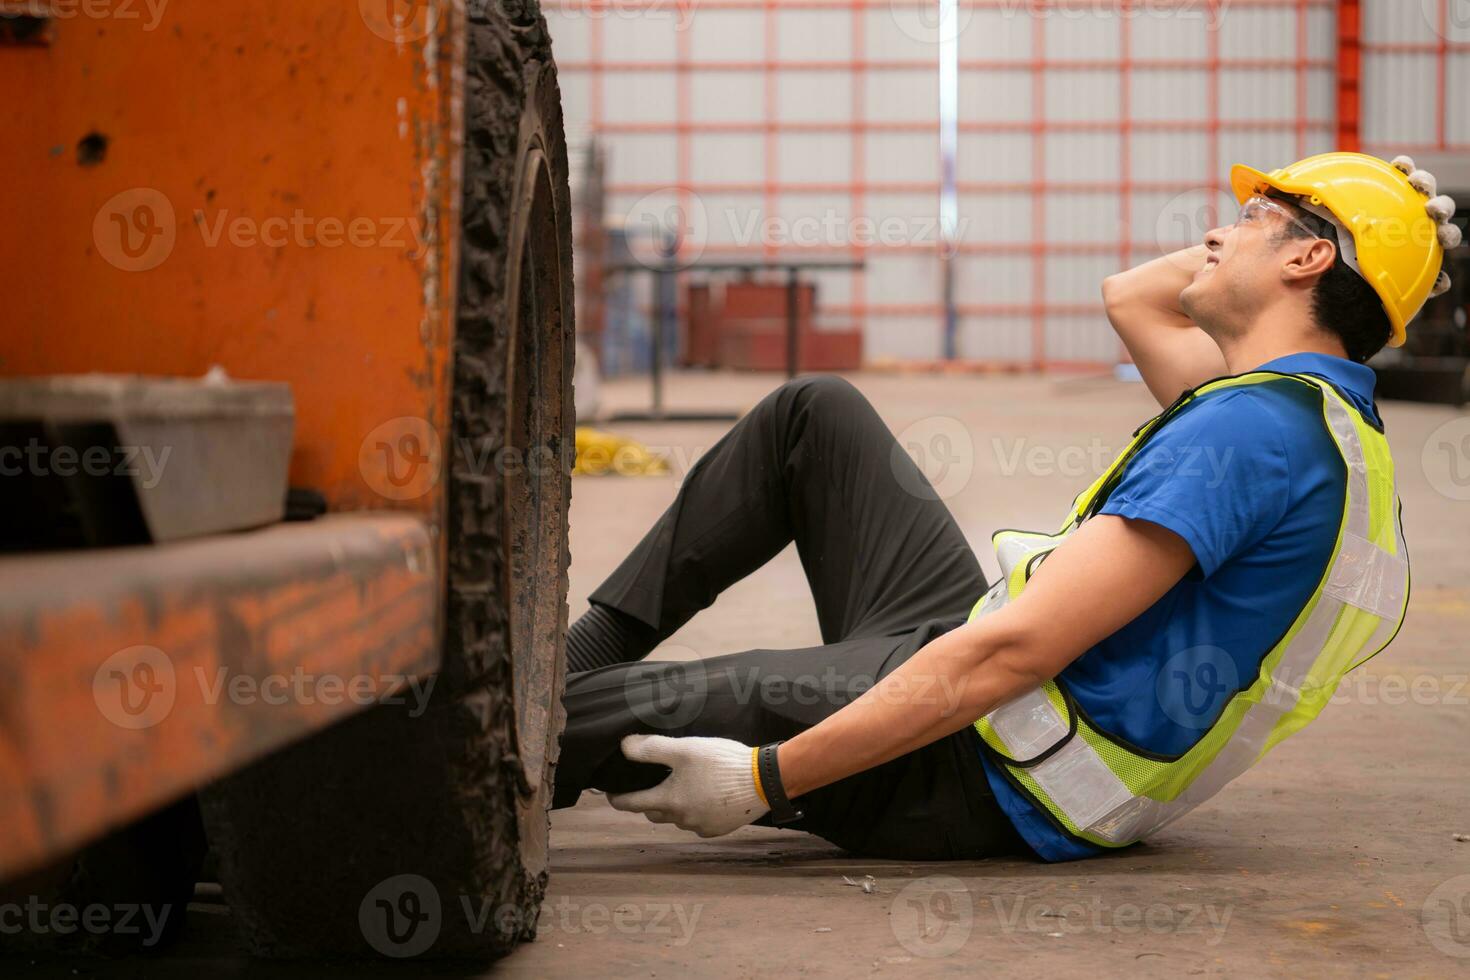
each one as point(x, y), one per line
point(768, 771)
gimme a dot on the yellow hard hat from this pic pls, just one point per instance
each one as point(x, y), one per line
point(1395, 238)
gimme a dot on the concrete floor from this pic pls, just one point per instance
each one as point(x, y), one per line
point(1337, 856)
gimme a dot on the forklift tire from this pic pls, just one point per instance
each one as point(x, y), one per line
point(422, 829)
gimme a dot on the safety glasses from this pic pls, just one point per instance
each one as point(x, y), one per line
point(1254, 210)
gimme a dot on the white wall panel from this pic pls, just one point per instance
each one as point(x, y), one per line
point(905, 96)
point(1168, 155)
point(628, 38)
point(1077, 278)
point(731, 219)
point(1266, 149)
point(1457, 98)
point(644, 96)
point(1174, 38)
point(995, 338)
point(1249, 94)
point(727, 158)
point(1083, 32)
point(576, 98)
point(812, 35)
point(1322, 33)
point(824, 222)
point(570, 35)
point(726, 96)
point(1082, 218)
point(1172, 94)
point(990, 34)
point(993, 280)
point(1399, 106)
point(814, 157)
point(641, 159)
point(1080, 139)
point(1077, 338)
point(1082, 156)
point(901, 156)
point(892, 34)
point(833, 289)
point(1258, 32)
point(902, 338)
point(1398, 21)
point(1404, 104)
point(897, 278)
point(905, 220)
point(726, 35)
point(995, 157)
point(814, 96)
point(1165, 221)
point(1002, 95)
point(1082, 96)
point(996, 217)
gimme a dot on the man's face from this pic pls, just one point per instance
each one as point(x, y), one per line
point(1242, 271)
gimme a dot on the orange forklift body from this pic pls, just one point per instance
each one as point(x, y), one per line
point(162, 218)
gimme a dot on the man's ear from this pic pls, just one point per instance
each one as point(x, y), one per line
point(1310, 260)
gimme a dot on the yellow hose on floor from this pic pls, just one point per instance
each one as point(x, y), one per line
point(604, 454)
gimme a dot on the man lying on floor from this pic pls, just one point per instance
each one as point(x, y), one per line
point(1183, 620)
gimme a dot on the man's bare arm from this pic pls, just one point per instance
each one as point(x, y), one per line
point(1107, 573)
point(1172, 353)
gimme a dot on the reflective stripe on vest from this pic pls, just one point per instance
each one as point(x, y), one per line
point(1102, 790)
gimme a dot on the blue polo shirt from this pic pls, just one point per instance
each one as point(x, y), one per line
point(1252, 481)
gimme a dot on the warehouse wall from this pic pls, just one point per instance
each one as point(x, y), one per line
point(1093, 134)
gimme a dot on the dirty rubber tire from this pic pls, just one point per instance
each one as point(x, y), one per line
point(404, 832)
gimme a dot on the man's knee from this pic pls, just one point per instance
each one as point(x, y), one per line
point(823, 397)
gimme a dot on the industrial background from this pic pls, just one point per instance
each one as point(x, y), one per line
point(1086, 137)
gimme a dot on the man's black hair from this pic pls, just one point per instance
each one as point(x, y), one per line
point(1343, 304)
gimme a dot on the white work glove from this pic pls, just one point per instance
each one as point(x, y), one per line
point(710, 791)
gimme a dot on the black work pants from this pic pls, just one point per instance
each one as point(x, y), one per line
point(889, 570)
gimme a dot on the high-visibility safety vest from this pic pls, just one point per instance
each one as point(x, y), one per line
point(1099, 788)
